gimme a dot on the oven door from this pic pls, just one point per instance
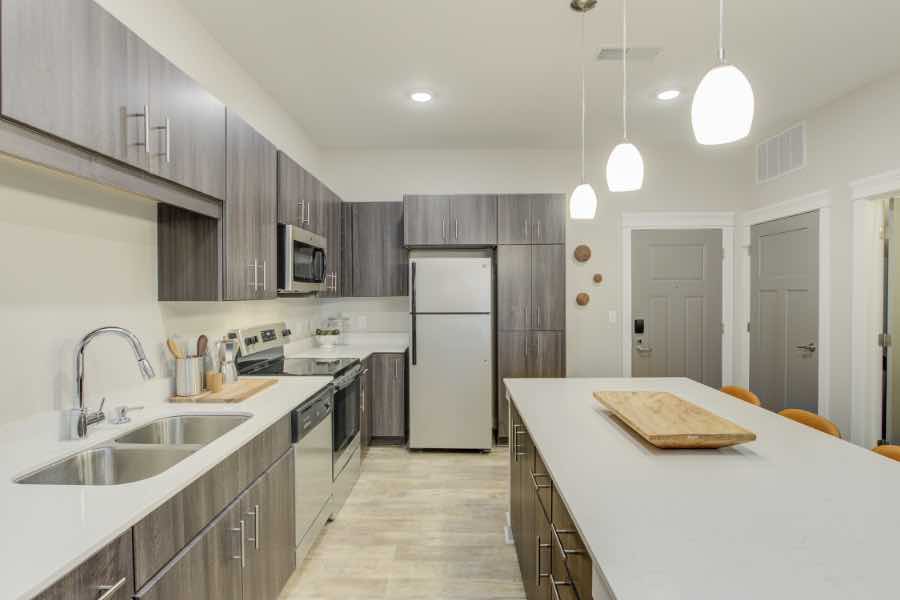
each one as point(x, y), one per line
point(345, 423)
point(301, 260)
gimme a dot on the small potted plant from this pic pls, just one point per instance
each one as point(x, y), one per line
point(327, 338)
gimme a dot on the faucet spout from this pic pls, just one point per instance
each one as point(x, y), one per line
point(144, 366)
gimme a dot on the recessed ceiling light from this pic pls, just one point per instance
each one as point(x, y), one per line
point(667, 95)
point(421, 96)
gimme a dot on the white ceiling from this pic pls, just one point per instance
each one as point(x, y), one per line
point(505, 72)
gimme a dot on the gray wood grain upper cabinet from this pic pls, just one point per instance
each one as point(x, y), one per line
point(474, 220)
point(548, 288)
point(267, 509)
point(425, 220)
point(250, 208)
point(333, 217)
point(108, 567)
point(209, 568)
point(514, 266)
point(388, 396)
point(512, 361)
point(531, 219)
point(187, 129)
point(65, 72)
point(301, 197)
point(374, 237)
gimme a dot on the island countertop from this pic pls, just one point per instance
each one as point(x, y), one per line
point(795, 514)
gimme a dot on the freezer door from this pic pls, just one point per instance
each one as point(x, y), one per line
point(451, 387)
point(450, 285)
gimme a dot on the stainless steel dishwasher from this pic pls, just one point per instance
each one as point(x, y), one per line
point(312, 437)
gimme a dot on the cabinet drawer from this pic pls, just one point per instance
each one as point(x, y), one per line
point(161, 534)
point(111, 566)
point(569, 555)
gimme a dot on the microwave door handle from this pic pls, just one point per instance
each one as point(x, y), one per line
point(412, 299)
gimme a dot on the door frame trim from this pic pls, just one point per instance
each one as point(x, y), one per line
point(643, 221)
point(865, 310)
point(816, 202)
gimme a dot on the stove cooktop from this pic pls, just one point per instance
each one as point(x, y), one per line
point(300, 367)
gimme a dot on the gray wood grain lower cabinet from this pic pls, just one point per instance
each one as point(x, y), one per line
point(110, 566)
point(250, 209)
point(388, 400)
point(426, 220)
point(64, 71)
point(512, 361)
point(207, 569)
point(548, 287)
point(374, 236)
point(473, 220)
point(514, 284)
point(365, 407)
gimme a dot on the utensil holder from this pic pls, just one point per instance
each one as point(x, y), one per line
point(188, 376)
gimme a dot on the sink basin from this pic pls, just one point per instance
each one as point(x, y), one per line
point(183, 429)
point(109, 465)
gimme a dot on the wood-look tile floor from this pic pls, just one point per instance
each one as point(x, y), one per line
point(417, 525)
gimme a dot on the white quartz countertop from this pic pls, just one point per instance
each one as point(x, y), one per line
point(795, 514)
point(49, 529)
point(358, 345)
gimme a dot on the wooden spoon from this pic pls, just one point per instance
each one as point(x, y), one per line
point(174, 349)
point(202, 343)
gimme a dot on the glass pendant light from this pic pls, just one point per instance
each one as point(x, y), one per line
point(722, 110)
point(625, 167)
point(583, 201)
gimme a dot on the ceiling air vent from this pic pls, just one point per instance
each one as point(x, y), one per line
point(781, 154)
point(634, 53)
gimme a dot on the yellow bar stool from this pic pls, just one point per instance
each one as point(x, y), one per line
point(741, 393)
point(888, 451)
point(811, 420)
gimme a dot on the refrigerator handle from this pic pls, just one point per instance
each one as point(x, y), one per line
point(412, 312)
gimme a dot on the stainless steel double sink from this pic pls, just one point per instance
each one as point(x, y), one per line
point(140, 454)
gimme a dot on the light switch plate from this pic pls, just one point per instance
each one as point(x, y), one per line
point(613, 317)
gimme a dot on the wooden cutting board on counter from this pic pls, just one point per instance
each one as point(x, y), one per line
point(667, 421)
point(232, 392)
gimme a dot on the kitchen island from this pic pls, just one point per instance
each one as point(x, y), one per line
point(795, 514)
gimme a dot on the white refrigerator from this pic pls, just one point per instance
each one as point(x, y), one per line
point(451, 350)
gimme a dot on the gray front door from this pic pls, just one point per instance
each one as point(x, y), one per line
point(676, 304)
point(784, 312)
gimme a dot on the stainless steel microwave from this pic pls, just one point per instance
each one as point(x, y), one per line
point(301, 260)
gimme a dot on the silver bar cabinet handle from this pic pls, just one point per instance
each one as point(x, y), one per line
point(242, 556)
point(109, 590)
point(525, 229)
point(255, 514)
point(537, 562)
point(443, 229)
point(308, 213)
point(566, 552)
point(168, 140)
point(264, 275)
point(456, 221)
point(302, 212)
point(554, 583)
point(147, 128)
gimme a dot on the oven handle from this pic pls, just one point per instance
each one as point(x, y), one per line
point(412, 296)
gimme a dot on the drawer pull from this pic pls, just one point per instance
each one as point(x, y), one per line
point(554, 584)
point(566, 552)
point(537, 561)
point(107, 591)
point(540, 486)
point(255, 514)
point(243, 555)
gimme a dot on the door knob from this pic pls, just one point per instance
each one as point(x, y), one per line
point(810, 347)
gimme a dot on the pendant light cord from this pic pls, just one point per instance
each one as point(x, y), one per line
point(722, 31)
point(625, 69)
point(583, 105)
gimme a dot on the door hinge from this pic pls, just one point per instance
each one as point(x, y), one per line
point(884, 340)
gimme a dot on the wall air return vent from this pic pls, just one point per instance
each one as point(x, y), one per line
point(781, 154)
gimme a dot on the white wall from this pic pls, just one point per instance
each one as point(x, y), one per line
point(76, 256)
point(676, 180)
point(854, 137)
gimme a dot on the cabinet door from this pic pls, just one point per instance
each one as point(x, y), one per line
point(249, 213)
point(379, 259)
point(188, 128)
point(514, 222)
point(514, 272)
point(365, 409)
point(331, 210)
point(64, 71)
point(546, 354)
point(512, 361)
point(109, 567)
point(268, 514)
point(291, 178)
point(315, 199)
point(515, 484)
point(473, 220)
point(426, 220)
point(548, 214)
point(529, 503)
point(209, 568)
point(548, 287)
point(543, 539)
point(388, 396)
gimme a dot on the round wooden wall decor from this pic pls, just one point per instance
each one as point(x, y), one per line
point(582, 253)
point(598, 278)
point(582, 299)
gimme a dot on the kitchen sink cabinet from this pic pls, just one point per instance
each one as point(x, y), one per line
point(373, 242)
point(388, 399)
point(110, 567)
point(250, 229)
point(531, 219)
point(454, 220)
